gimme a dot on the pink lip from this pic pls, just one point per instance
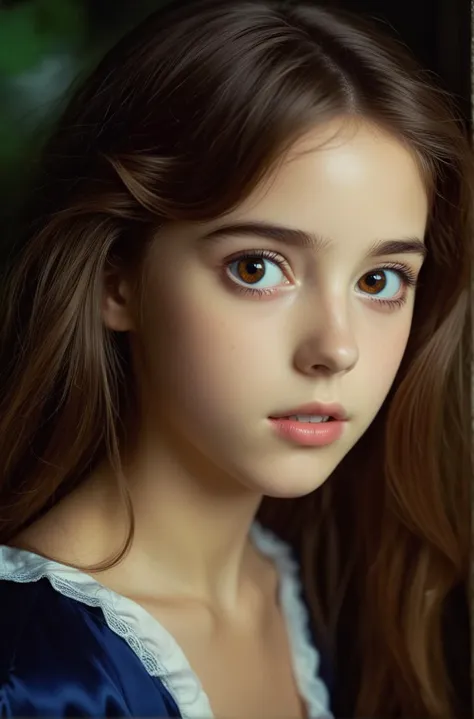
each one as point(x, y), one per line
point(315, 408)
point(311, 434)
point(308, 434)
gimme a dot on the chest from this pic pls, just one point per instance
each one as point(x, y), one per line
point(245, 679)
point(246, 674)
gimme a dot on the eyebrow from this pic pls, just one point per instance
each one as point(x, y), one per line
point(299, 238)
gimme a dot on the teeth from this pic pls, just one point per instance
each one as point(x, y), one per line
point(308, 418)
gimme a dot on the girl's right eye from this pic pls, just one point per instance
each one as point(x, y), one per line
point(257, 272)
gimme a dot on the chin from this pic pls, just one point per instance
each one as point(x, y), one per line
point(290, 484)
point(293, 490)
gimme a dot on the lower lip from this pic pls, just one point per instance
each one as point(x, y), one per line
point(308, 434)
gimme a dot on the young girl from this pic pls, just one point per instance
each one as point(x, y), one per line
point(234, 412)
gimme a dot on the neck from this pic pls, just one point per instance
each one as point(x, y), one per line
point(191, 525)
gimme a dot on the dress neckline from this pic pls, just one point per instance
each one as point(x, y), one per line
point(157, 649)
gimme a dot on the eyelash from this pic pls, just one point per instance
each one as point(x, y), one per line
point(407, 275)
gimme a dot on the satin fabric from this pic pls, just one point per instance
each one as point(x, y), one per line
point(58, 658)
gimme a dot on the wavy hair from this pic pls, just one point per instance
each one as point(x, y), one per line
point(180, 121)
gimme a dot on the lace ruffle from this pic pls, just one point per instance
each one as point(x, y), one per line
point(305, 657)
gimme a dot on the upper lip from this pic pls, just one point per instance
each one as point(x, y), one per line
point(316, 409)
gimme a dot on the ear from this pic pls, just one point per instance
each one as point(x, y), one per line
point(117, 302)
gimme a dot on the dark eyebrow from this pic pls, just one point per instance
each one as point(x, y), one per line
point(291, 236)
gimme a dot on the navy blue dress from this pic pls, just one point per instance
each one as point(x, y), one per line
point(70, 647)
point(58, 658)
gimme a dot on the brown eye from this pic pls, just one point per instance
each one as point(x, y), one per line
point(258, 271)
point(387, 285)
point(373, 282)
point(250, 270)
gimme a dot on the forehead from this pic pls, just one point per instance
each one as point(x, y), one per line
point(345, 177)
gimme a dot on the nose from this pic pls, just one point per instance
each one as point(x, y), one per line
point(330, 346)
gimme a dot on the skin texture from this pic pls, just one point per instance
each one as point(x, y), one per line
point(214, 363)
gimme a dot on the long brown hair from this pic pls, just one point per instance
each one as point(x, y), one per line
point(180, 121)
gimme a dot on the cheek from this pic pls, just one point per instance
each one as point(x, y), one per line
point(211, 351)
point(381, 353)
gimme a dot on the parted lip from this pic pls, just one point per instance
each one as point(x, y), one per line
point(336, 411)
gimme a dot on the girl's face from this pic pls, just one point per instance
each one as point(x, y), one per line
point(319, 313)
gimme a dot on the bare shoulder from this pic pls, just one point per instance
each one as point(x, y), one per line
point(73, 531)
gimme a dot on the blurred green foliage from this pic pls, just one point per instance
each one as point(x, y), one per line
point(44, 46)
point(31, 30)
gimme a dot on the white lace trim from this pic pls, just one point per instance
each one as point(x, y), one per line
point(156, 648)
point(305, 657)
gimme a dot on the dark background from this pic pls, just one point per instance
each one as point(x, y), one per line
point(45, 44)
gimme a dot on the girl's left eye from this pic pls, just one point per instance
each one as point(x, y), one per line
point(258, 273)
point(385, 284)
